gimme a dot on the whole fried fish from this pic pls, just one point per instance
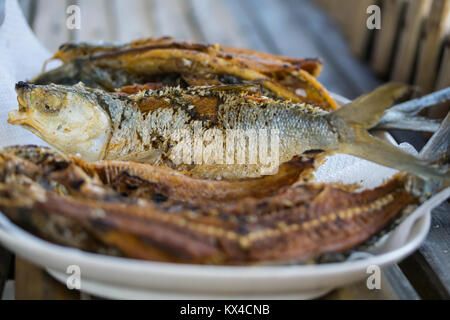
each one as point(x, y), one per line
point(169, 62)
point(153, 126)
point(118, 208)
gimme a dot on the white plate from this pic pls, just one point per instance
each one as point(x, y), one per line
point(123, 278)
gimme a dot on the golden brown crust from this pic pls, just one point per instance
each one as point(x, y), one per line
point(288, 78)
point(295, 223)
point(261, 61)
point(180, 186)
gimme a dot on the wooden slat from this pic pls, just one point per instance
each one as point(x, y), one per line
point(416, 12)
point(287, 35)
point(443, 80)
point(394, 286)
point(217, 23)
point(141, 26)
point(97, 21)
point(254, 39)
point(436, 30)
point(50, 23)
point(280, 28)
point(339, 11)
point(360, 35)
point(351, 15)
point(33, 283)
point(172, 18)
point(350, 70)
point(5, 264)
point(436, 252)
point(385, 37)
point(397, 286)
point(8, 291)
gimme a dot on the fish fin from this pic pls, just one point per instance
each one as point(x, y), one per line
point(404, 116)
point(353, 121)
point(368, 109)
point(437, 148)
point(382, 152)
point(412, 123)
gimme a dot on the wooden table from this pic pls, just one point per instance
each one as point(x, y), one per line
point(288, 27)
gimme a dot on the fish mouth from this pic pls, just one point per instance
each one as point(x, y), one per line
point(24, 119)
point(19, 117)
point(22, 85)
point(22, 116)
point(21, 88)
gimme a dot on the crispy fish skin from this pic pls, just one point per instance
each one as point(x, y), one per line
point(145, 123)
point(295, 224)
point(261, 61)
point(141, 127)
point(114, 66)
point(133, 178)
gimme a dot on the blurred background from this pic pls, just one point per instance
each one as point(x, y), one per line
point(412, 44)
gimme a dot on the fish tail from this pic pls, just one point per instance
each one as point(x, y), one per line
point(382, 152)
point(367, 110)
point(353, 121)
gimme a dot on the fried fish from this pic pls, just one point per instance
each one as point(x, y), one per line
point(107, 207)
point(153, 126)
point(170, 62)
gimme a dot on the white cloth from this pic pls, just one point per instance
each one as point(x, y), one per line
point(21, 58)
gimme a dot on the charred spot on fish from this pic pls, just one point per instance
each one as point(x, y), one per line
point(22, 85)
point(242, 229)
point(339, 222)
point(224, 217)
point(60, 165)
point(313, 151)
point(302, 161)
point(76, 184)
point(101, 225)
point(227, 79)
point(159, 198)
point(261, 206)
point(137, 187)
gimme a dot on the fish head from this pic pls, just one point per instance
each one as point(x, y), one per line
point(68, 118)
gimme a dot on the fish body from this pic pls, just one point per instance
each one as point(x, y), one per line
point(99, 125)
point(171, 62)
point(118, 208)
point(151, 126)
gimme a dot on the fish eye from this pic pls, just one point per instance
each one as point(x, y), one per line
point(49, 108)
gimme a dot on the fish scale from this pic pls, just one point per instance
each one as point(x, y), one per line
point(144, 127)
